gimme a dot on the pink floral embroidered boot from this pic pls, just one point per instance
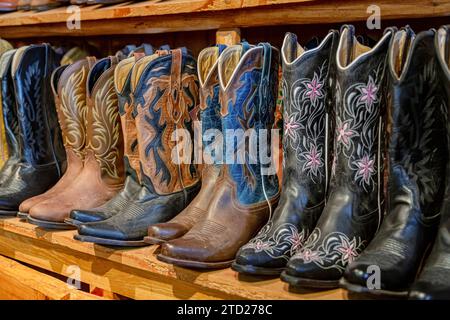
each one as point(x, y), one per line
point(306, 77)
point(353, 211)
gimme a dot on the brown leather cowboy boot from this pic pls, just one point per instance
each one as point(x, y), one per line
point(69, 89)
point(246, 193)
point(102, 175)
point(210, 119)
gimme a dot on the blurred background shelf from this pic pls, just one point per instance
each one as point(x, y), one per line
point(130, 273)
point(150, 17)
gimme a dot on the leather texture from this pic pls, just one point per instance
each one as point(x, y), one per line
point(433, 282)
point(166, 90)
point(209, 114)
point(9, 116)
point(417, 162)
point(69, 91)
point(306, 97)
point(353, 211)
point(40, 144)
point(122, 84)
point(4, 154)
point(243, 197)
point(102, 175)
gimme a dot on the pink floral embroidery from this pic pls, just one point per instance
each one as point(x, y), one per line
point(313, 160)
point(365, 168)
point(369, 93)
point(291, 127)
point(297, 240)
point(308, 255)
point(314, 88)
point(261, 245)
point(348, 249)
point(344, 133)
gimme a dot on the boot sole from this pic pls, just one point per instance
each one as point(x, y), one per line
point(8, 213)
point(72, 222)
point(356, 288)
point(194, 264)
point(22, 215)
point(152, 240)
point(49, 224)
point(110, 242)
point(309, 283)
point(262, 271)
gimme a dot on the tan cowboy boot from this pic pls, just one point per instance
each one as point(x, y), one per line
point(69, 89)
point(103, 172)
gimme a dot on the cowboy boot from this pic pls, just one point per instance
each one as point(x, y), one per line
point(209, 111)
point(417, 161)
point(305, 93)
point(40, 145)
point(122, 83)
point(353, 211)
point(165, 93)
point(4, 47)
point(245, 192)
point(102, 174)
point(433, 282)
point(9, 116)
point(68, 84)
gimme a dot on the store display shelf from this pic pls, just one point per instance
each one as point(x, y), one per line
point(188, 15)
point(133, 273)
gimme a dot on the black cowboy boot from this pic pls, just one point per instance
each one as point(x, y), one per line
point(305, 176)
point(122, 82)
point(167, 90)
point(40, 143)
point(353, 210)
point(9, 114)
point(433, 283)
point(417, 161)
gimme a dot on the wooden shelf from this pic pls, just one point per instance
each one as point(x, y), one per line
point(135, 273)
point(187, 15)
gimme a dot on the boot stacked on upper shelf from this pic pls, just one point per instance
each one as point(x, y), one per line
point(353, 211)
point(164, 90)
point(433, 282)
point(306, 86)
point(246, 191)
point(418, 156)
point(40, 159)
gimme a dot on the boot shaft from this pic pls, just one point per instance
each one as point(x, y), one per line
point(307, 83)
point(8, 105)
point(360, 109)
point(40, 135)
point(417, 121)
point(249, 85)
point(104, 139)
point(166, 92)
point(69, 90)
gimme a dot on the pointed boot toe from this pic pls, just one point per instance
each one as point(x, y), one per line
point(250, 261)
point(165, 231)
point(88, 215)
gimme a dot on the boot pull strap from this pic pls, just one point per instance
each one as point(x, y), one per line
point(221, 47)
point(164, 47)
point(245, 46)
point(175, 83)
point(91, 61)
point(114, 60)
point(148, 49)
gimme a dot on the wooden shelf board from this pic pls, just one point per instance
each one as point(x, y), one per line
point(136, 273)
point(189, 15)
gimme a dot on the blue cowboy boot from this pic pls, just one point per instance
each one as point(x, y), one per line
point(209, 114)
point(246, 192)
point(306, 77)
point(353, 211)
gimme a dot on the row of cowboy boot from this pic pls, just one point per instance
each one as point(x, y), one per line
point(306, 90)
point(417, 164)
point(163, 90)
point(241, 93)
point(418, 189)
point(37, 156)
point(4, 145)
point(93, 140)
